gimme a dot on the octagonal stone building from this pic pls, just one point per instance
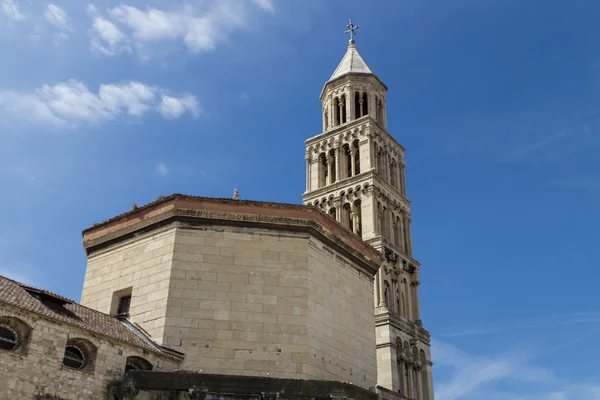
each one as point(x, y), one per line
point(240, 287)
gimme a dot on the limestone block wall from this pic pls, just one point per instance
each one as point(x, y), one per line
point(252, 302)
point(39, 369)
point(142, 264)
point(341, 319)
point(238, 301)
point(244, 301)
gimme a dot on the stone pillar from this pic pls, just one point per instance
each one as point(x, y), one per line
point(337, 166)
point(402, 376)
point(417, 303)
point(384, 122)
point(408, 299)
point(377, 289)
point(340, 108)
point(409, 241)
point(329, 168)
point(352, 158)
point(331, 112)
point(401, 231)
point(308, 178)
point(402, 180)
point(381, 286)
point(349, 106)
point(418, 383)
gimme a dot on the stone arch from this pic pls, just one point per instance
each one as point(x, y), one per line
point(15, 334)
point(80, 353)
point(135, 363)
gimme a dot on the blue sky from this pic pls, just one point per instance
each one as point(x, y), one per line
point(497, 103)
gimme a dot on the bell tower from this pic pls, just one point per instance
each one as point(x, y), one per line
point(355, 173)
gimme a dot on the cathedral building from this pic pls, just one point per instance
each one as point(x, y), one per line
point(200, 298)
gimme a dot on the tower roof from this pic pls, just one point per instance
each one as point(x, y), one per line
point(352, 63)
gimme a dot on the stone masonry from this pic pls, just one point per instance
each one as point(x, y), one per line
point(36, 369)
point(242, 288)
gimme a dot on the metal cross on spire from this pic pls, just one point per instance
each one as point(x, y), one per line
point(351, 29)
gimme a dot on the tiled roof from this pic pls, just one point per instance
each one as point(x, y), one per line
point(352, 63)
point(65, 310)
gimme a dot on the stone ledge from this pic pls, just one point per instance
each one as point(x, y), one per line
point(232, 386)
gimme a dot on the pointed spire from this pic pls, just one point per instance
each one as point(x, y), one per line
point(352, 63)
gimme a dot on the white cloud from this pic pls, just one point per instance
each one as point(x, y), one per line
point(58, 18)
point(266, 5)
point(10, 8)
point(70, 103)
point(161, 169)
point(198, 29)
point(107, 38)
point(172, 107)
point(476, 377)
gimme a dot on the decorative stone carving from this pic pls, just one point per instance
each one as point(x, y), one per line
point(197, 394)
point(269, 396)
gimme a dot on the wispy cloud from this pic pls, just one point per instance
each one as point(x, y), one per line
point(10, 8)
point(266, 5)
point(71, 103)
point(199, 29)
point(533, 322)
point(173, 108)
point(477, 377)
point(161, 169)
point(58, 18)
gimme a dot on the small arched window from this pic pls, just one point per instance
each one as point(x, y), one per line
point(134, 363)
point(9, 338)
point(14, 334)
point(79, 354)
point(74, 357)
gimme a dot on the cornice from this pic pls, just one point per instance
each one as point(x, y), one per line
point(340, 128)
point(384, 317)
point(363, 177)
point(185, 218)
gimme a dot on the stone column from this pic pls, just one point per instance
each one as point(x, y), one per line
point(409, 241)
point(352, 157)
point(337, 167)
point(382, 297)
point(340, 108)
point(331, 112)
point(377, 289)
point(349, 106)
point(401, 230)
point(408, 299)
point(410, 386)
point(329, 168)
point(402, 377)
point(417, 305)
point(384, 114)
point(418, 383)
point(402, 180)
point(308, 174)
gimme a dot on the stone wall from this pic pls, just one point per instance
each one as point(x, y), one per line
point(244, 301)
point(38, 368)
point(341, 319)
point(144, 265)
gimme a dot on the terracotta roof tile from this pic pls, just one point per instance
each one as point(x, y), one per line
point(65, 310)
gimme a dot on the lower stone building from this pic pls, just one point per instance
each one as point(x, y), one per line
point(54, 348)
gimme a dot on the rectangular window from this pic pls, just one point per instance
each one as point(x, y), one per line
point(124, 303)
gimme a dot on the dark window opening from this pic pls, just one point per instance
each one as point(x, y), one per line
point(8, 338)
point(124, 303)
point(74, 358)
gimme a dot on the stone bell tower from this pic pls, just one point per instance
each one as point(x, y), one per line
point(355, 173)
